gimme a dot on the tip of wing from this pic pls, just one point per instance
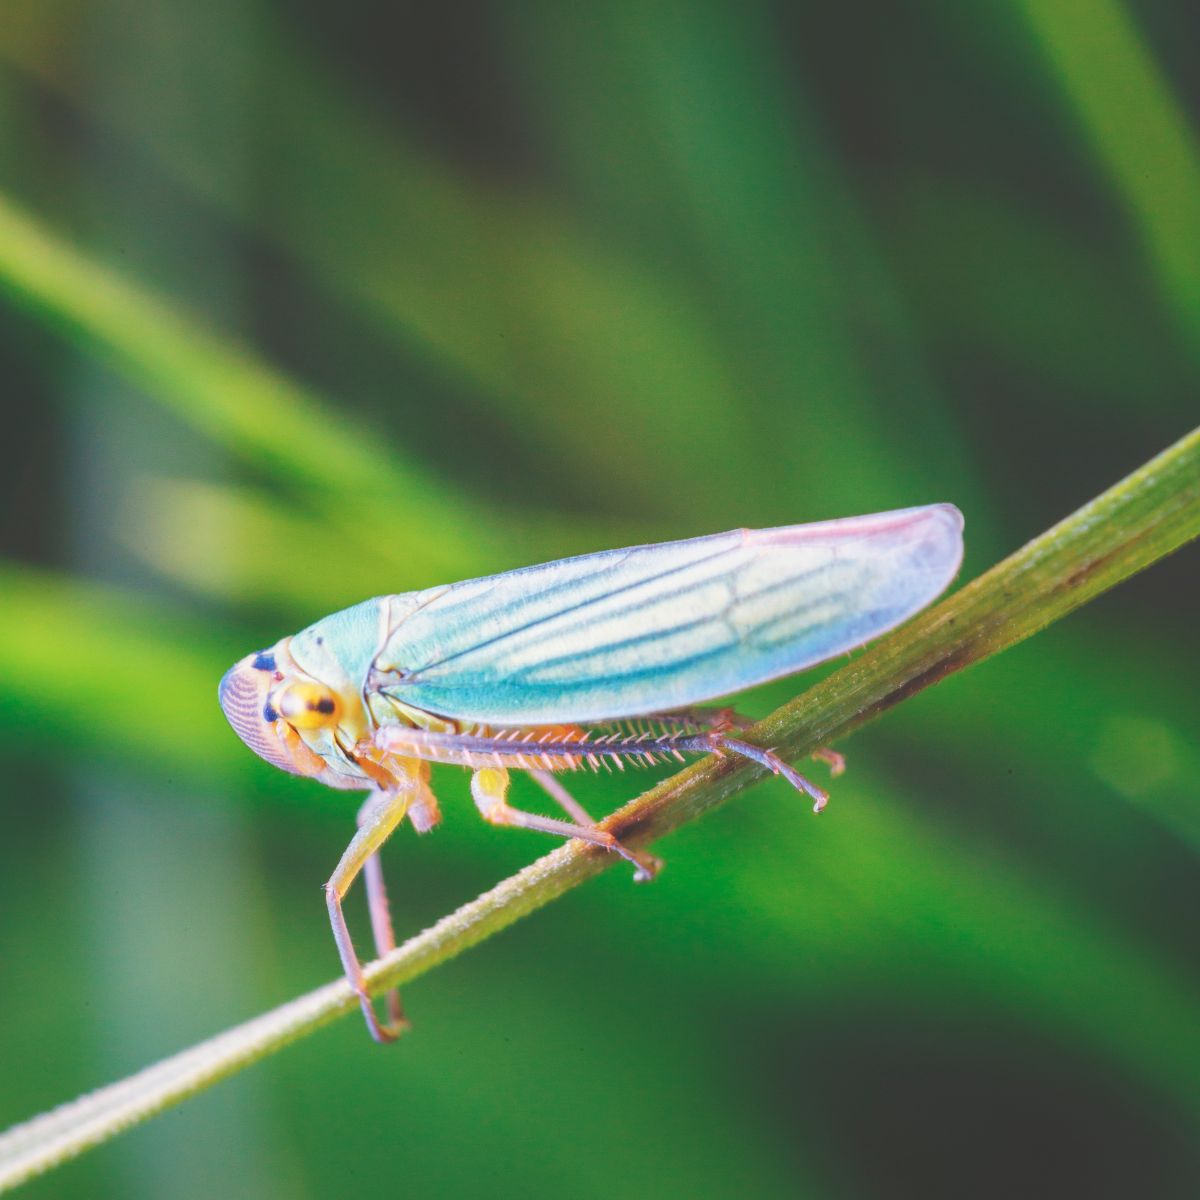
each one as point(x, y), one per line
point(943, 526)
point(942, 523)
point(946, 515)
point(926, 541)
point(929, 539)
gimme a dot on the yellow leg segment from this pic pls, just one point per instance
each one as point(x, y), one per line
point(381, 917)
point(379, 816)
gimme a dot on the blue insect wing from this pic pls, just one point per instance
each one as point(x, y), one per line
point(650, 628)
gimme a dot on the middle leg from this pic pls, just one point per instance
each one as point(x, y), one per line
point(489, 787)
point(646, 866)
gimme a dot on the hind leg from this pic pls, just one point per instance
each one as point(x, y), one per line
point(727, 720)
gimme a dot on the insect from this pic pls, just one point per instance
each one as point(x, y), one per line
point(584, 663)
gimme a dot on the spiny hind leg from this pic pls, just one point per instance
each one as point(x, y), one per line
point(646, 866)
point(728, 720)
point(379, 816)
point(489, 788)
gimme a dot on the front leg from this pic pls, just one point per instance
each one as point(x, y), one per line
point(380, 913)
point(378, 818)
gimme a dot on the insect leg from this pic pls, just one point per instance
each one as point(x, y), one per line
point(831, 758)
point(645, 865)
point(719, 742)
point(381, 916)
point(562, 797)
point(725, 720)
point(379, 817)
point(531, 750)
point(489, 787)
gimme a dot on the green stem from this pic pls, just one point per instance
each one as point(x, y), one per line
point(1139, 520)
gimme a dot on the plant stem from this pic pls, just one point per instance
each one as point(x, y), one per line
point(1141, 519)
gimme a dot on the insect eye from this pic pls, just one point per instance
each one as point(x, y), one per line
point(307, 705)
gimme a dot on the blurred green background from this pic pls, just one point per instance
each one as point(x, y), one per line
point(304, 303)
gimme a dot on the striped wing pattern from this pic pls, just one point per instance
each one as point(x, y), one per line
point(627, 632)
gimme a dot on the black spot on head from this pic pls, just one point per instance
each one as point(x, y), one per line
point(320, 641)
point(269, 713)
point(264, 660)
point(324, 705)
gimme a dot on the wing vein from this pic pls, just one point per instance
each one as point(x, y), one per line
point(414, 676)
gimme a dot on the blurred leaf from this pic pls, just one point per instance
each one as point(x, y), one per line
point(248, 545)
point(1138, 130)
point(244, 544)
point(743, 196)
point(143, 683)
point(565, 334)
point(227, 394)
point(209, 382)
point(991, 275)
point(1068, 723)
point(885, 886)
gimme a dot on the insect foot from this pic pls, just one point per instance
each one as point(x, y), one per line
point(831, 758)
point(720, 742)
point(645, 866)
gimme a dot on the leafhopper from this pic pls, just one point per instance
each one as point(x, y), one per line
point(585, 663)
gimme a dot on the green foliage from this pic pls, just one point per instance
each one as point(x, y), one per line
point(284, 326)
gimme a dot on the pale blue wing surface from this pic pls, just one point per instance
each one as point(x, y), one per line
point(627, 632)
